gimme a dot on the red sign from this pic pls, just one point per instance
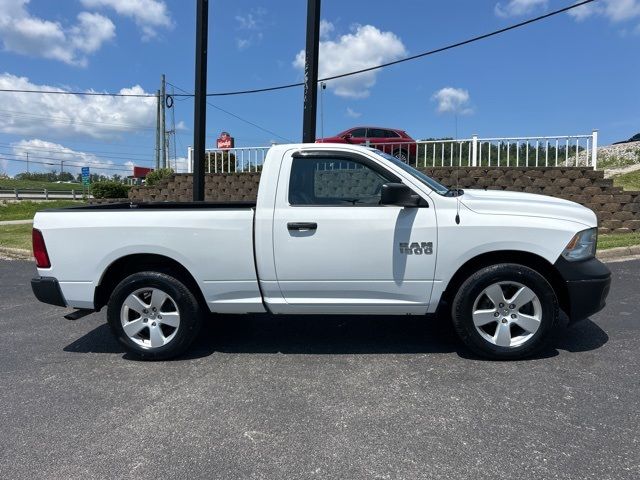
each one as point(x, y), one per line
point(225, 141)
point(141, 172)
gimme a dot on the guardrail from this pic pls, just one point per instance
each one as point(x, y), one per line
point(40, 194)
point(540, 151)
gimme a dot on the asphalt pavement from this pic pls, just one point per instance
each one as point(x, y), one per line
point(264, 397)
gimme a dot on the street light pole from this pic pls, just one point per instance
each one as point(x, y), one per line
point(311, 72)
point(200, 100)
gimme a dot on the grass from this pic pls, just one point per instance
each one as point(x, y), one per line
point(15, 236)
point(628, 181)
point(618, 240)
point(11, 183)
point(25, 210)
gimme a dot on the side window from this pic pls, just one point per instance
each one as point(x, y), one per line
point(391, 134)
point(325, 181)
point(359, 133)
point(376, 133)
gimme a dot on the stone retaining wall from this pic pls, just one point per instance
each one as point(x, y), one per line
point(618, 211)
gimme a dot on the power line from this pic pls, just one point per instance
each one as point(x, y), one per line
point(407, 59)
point(87, 94)
point(55, 159)
point(239, 117)
point(60, 151)
point(334, 77)
point(59, 159)
point(14, 113)
point(92, 165)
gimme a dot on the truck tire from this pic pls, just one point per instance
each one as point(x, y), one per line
point(154, 315)
point(505, 312)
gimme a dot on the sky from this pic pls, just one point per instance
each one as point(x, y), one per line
point(566, 75)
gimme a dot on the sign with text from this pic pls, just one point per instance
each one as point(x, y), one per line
point(86, 176)
point(225, 141)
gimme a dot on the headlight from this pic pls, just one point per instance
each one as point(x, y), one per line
point(582, 245)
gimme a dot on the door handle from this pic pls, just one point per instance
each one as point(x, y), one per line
point(302, 226)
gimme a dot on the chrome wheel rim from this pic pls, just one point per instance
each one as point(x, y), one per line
point(507, 314)
point(400, 155)
point(150, 317)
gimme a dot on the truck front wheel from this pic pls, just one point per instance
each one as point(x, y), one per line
point(505, 312)
point(154, 315)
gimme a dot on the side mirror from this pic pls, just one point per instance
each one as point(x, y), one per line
point(347, 137)
point(399, 194)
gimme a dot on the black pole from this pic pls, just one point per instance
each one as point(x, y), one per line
point(200, 99)
point(311, 72)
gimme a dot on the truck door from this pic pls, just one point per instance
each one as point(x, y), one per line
point(337, 250)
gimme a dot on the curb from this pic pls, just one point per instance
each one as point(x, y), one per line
point(16, 222)
point(15, 253)
point(618, 253)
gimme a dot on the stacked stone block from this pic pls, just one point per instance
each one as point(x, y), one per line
point(618, 211)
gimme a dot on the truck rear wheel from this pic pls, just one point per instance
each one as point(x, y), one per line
point(505, 312)
point(154, 315)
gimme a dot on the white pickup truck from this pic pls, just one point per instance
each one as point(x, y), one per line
point(336, 229)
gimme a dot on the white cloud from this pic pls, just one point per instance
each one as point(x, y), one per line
point(453, 100)
point(243, 43)
point(49, 155)
point(351, 113)
point(613, 10)
point(149, 15)
point(515, 8)
point(72, 115)
point(26, 34)
point(251, 24)
point(326, 28)
point(365, 47)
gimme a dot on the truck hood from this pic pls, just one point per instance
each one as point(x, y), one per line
point(499, 202)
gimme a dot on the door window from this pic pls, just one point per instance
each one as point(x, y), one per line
point(376, 133)
point(358, 133)
point(326, 181)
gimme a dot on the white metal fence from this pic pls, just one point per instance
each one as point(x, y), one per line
point(246, 159)
point(540, 151)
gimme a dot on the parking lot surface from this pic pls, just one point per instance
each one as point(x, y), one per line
point(316, 397)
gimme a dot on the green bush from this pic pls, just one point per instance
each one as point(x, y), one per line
point(109, 189)
point(157, 175)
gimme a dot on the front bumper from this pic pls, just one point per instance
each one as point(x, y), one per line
point(588, 284)
point(47, 290)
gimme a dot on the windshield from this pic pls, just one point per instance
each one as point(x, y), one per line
point(428, 181)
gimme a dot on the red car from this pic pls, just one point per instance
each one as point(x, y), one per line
point(390, 140)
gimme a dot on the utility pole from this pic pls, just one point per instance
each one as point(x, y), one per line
point(323, 86)
point(163, 98)
point(311, 72)
point(200, 98)
point(167, 148)
point(27, 162)
point(158, 130)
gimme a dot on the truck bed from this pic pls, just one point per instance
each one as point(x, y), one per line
point(212, 240)
point(158, 206)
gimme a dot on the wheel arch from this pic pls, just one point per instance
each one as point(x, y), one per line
point(127, 265)
point(527, 259)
